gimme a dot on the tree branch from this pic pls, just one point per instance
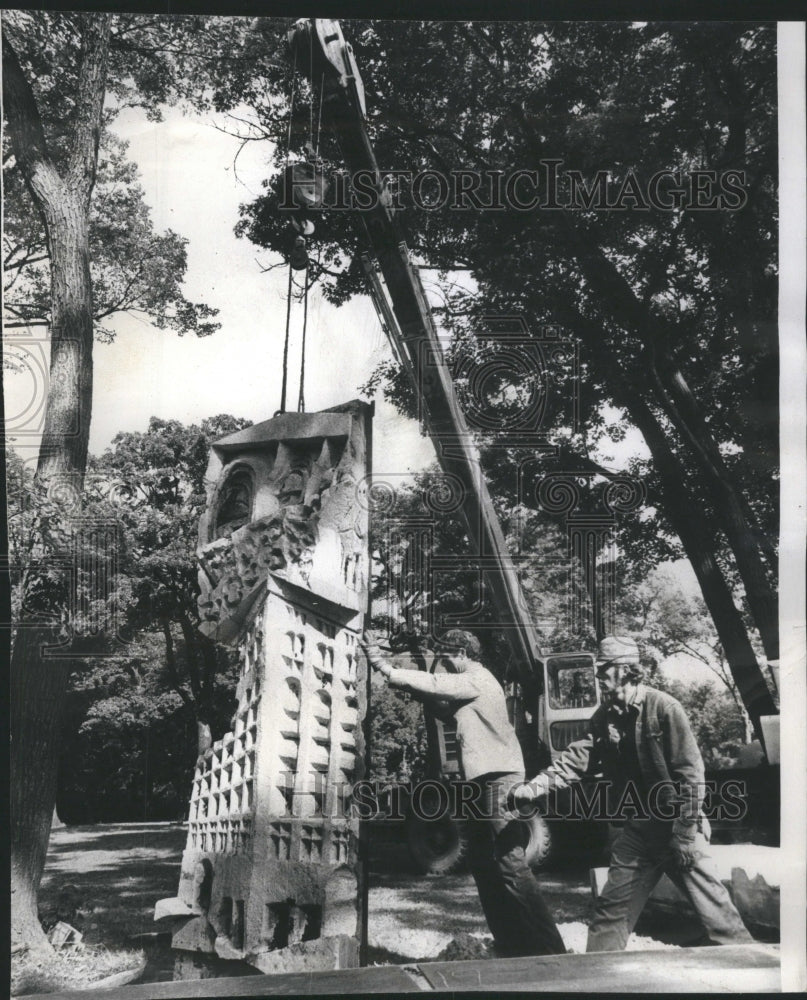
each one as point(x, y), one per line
point(16, 265)
point(191, 655)
point(171, 663)
point(17, 325)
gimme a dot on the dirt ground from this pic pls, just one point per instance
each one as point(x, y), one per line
point(105, 880)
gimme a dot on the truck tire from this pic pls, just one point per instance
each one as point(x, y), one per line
point(436, 847)
point(440, 847)
point(539, 846)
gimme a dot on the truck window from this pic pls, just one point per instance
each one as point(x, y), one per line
point(571, 682)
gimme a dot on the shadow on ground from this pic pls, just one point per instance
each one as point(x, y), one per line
point(105, 880)
point(412, 916)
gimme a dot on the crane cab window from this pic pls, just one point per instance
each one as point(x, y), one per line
point(570, 682)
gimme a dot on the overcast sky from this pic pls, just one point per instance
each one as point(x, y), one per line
point(186, 169)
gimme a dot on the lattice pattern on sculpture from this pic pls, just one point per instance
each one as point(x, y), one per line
point(222, 805)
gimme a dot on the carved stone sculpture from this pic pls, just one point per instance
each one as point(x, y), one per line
point(270, 872)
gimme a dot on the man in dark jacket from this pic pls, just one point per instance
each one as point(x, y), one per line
point(640, 740)
point(493, 764)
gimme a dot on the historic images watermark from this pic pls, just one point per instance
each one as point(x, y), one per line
point(548, 186)
point(65, 544)
point(601, 800)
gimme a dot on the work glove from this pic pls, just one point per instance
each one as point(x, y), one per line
point(522, 798)
point(685, 851)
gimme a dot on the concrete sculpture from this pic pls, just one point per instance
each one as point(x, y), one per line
point(270, 872)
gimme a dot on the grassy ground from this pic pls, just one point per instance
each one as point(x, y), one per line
point(75, 968)
point(104, 880)
point(108, 878)
point(414, 917)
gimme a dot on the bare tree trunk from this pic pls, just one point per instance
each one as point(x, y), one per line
point(676, 398)
point(695, 537)
point(736, 519)
point(199, 701)
point(63, 451)
point(37, 714)
point(39, 684)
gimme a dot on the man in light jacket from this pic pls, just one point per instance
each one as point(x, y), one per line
point(641, 741)
point(491, 760)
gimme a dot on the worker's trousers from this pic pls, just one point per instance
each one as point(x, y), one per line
point(511, 899)
point(640, 855)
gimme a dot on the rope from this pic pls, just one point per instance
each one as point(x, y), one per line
point(319, 117)
point(289, 291)
point(291, 106)
point(286, 347)
point(301, 398)
point(292, 83)
point(311, 78)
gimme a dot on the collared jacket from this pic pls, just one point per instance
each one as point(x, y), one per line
point(486, 738)
point(667, 751)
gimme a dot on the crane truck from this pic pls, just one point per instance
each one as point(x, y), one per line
point(551, 697)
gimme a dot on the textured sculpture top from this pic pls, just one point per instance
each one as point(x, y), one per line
point(286, 497)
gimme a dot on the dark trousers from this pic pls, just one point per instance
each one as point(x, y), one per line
point(641, 853)
point(511, 899)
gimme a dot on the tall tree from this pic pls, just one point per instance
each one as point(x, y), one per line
point(133, 269)
point(63, 200)
point(62, 197)
point(56, 71)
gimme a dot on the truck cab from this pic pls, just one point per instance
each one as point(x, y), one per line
point(570, 696)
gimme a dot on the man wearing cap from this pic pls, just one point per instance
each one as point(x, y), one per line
point(493, 764)
point(640, 739)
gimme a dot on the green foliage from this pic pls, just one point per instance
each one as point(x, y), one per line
point(133, 752)
point(158, 480)
point(131, 738)
point(644, 291)
point(398, 737)
point(716, 721)
point(134, 268)
point(668, 620)
point(132, 730)
point(412, 605)
point(63, 544)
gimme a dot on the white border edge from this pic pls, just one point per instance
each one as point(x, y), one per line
point(793, 491)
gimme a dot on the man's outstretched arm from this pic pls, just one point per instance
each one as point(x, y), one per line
point(450, 687)
point(576, 762)
point(439, 687)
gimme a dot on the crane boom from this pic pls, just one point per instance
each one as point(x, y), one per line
point(408, 321)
